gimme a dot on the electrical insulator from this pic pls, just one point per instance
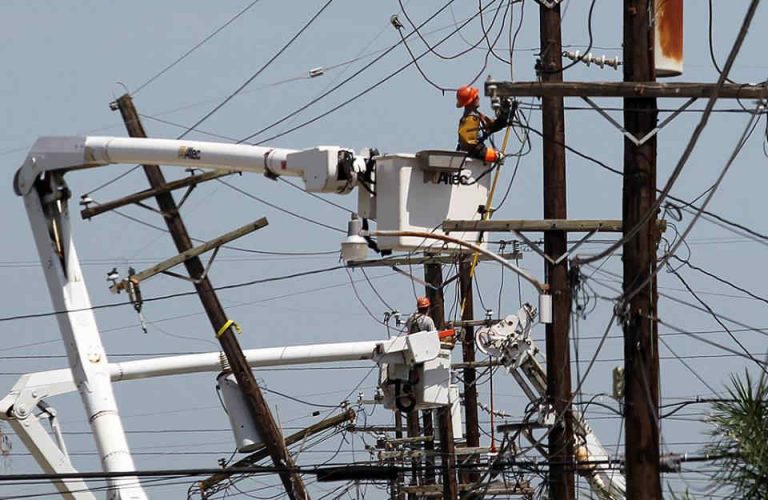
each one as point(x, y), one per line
point(589, 59)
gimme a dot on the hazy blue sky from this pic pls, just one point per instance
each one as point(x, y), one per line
point(65, 61)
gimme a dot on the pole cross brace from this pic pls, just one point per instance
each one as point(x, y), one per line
point(549, 3)
point(629, 135)
point(163, 267)
point(533, 246)
point(135, 198)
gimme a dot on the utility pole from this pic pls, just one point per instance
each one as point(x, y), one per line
point(472, 431)
point(433, 274)
point(561, 468)
point(429, 447)
point(641, 360)
point(224, 328)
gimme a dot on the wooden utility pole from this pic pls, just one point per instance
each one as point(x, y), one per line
point(433, 274)
point(472, 432)
point(429, 447)
point(265, 422)
point(561, 469)
point(414, 431)
point(641, 361)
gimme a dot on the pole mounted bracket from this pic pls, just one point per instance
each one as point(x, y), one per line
point(164, 266)
point(550, 4)
point(638, 141)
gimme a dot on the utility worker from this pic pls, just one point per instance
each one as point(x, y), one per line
point(475, 127)
point(420, 320)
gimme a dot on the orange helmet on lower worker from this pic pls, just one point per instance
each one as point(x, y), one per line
point(422, 302)
point(466, 95)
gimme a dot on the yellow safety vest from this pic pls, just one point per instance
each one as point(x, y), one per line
point(470, 127)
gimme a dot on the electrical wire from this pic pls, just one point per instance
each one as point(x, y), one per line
point(513, 41)
point(415, 30)
point(316, 196)
point(359, 299)
point(629, 294)
point(259, 71)
point(721, 280)
point(284, 210)
point(712, 313)
point(692, 334)
point(339, 85)
point(195, 47)
point(173, 295)
point(359, 94)
point(686, 365)
point(297, 400)
point(375, 291)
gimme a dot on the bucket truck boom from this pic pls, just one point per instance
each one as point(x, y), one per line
point(400, 192)
point(510, 342)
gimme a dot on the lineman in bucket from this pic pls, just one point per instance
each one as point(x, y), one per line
point(475, 127)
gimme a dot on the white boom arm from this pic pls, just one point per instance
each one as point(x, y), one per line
point(511, 343)
point(323, 168)
point(30, 390)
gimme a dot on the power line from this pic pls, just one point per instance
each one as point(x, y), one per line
point(431, 49)
point(284, 210)
point(259, 71)
point(681, 240)
point(361, 93)
point(761, 365)
point(195, 47)
point(718, 278)
point(173, 295)
point(677, 300)
point(241, 249)
point(343, 82)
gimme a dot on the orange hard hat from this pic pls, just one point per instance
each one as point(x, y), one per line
point(422, 302)
point(466, 95)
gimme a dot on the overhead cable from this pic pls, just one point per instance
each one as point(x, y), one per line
point(629, 294)
point(174, 295)
point(340, 84)
point(195, 47)
point(259, 71)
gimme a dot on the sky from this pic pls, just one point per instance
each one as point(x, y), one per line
point(64, 62)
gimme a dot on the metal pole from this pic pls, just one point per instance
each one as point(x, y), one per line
point(641, 362)
point(265, 422)
point(561, 480)
point(433, 274)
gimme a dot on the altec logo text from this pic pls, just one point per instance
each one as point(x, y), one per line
point(189, 153)
point(453, 179)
